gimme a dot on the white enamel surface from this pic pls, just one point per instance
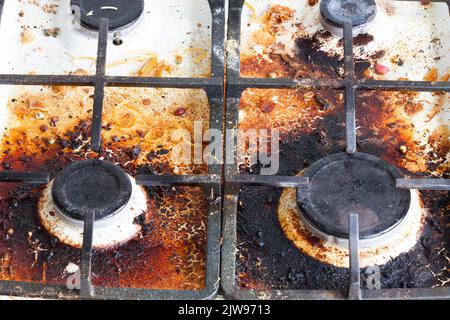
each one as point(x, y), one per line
point(73, 48)
point(189, 29)
point(118, 229)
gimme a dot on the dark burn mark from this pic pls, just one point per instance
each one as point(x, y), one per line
point(359, 40)
point(266, 259)
point(285, 266)
point(309, 51)
point(280, 265)
point(311, 56)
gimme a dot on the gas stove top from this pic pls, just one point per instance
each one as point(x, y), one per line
point(323, 141)
point(105, 210)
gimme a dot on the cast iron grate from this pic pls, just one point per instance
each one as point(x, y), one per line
point(233, 180)
point(210, 183)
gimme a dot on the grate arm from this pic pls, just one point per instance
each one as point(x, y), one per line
point(27, 177)
point(354, 292)
point(274, 181)
point(173, 180)
point(424, 184)
point(86, 287)
point(99, 92)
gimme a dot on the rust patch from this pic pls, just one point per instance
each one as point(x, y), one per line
point(440, 141)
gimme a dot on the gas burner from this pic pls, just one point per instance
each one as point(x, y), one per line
point(333, 14)
point(390, 218)
point(92, 186)
point(353, 183)
point(121, 13)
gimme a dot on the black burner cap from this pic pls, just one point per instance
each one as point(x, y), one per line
point(121, 13)
point(336, 12)
point(91, 186)
point(353, 183)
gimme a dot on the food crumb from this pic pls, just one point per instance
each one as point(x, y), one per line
point(432, 75)
point(50, 8)
point(52, 32)
point(26, 36)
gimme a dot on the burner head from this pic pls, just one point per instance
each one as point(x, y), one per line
point(333, 14)
point(121, 13)
point(360, 183)
point(91, 186)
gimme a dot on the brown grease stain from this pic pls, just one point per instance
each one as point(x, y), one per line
point(170, 251)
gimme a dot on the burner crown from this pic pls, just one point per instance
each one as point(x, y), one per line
point(334, 13)
point(92, 186)
point(353, 183)
point(121, 13)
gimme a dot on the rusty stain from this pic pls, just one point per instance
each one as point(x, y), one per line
point(170, 251)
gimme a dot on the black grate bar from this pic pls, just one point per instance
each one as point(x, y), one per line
point(176, 180)
point(86, 287)
point(350, 119)
point(218, 38)
point(359, 85)
point(350, 101)
point(46, 80)
point(231, 125)
point(424, 184)
point(287, 83)
point(234, 39)
point(390, 85)
point(110, 81)
point(99, 93)
point(275, 181)
point(349, 65)
point(166, 82)
point(354, 292)
point(27, 177)
point(205, 83)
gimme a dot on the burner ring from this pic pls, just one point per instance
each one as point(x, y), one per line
point(120, 13)
point(360, 183)
point(333, 14)
point(359, 12)
point(91, 186)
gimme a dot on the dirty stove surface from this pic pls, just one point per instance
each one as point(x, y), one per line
point(408, 130)
point(162, 242)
